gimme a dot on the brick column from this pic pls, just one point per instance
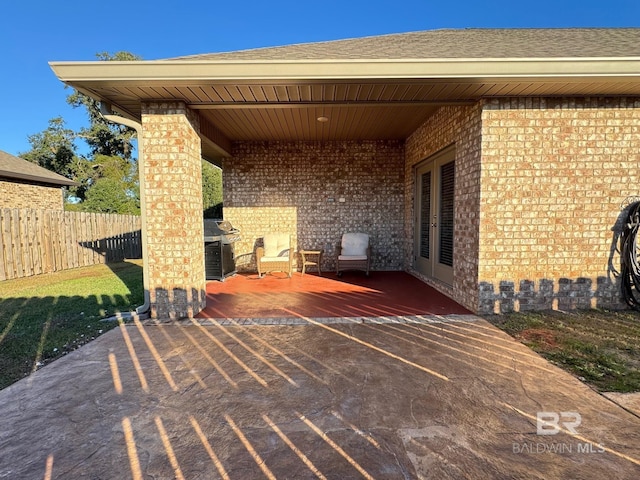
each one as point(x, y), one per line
point(172, 186)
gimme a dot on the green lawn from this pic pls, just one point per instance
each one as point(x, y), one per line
point(601, 348)
point(47, 316)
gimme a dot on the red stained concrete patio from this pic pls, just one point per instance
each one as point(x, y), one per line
point(381, 294)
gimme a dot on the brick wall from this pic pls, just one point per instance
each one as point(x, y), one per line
point(172, 182)
point(459, 126)
point(540, 190)
point(555, 176)
point(20, 194)
point(296, 187)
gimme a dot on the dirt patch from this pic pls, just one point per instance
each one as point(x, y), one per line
point(600, 347)
point(542, 337)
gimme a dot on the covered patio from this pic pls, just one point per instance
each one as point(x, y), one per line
point(275, 298)
point(487, 162)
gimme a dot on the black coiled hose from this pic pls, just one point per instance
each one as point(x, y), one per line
point(630, 269)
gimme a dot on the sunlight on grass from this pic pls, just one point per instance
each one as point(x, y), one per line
point(601, 348)
point(46, 316)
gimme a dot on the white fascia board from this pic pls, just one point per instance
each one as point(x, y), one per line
point(359, 70)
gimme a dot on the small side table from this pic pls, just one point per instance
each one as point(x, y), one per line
point(311, 258)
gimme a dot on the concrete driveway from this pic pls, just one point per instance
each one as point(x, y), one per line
point(437, 397)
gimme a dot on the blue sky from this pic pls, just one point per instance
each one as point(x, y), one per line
point(34, 32)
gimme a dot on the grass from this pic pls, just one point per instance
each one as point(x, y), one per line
point(601, 348)
point(45, 317)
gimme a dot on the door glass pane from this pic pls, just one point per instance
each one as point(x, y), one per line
point(445, 220)
point(425, 216)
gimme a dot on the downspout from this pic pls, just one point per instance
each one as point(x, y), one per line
point(107, 114)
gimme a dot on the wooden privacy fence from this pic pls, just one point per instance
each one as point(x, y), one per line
point(43, 241)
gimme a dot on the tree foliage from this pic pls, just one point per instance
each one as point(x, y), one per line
point(103, 137)
point(53, 148)
point(108, 174)
point(211, 190)
point(109, 195)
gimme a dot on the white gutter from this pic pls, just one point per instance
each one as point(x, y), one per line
point(473, 69)
point(107, 114)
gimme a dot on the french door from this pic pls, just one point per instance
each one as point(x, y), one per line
point(435, 193)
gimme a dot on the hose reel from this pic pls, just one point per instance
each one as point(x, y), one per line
point(629, 257)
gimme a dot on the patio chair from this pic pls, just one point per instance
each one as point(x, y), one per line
point(353, 253)
point(275, 255)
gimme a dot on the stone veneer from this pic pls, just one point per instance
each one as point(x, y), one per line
point(297, 187)
point(556, 174)
point(22, 194)
point(172, 182)
point(459, 126)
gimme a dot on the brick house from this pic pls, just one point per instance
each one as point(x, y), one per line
point(492, 164)
point(26, 185)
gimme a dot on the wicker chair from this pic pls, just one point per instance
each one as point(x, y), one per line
point(353, 253)
point(275, 255)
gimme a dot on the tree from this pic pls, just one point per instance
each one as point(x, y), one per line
point(108, 195)
point(103, 137)
point(108, 175)
point(110, 182)
point(110, 167)
point(211, 190)
point(113, 186)
point(53, 148)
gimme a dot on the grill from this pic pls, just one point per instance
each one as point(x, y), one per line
point(219, 259)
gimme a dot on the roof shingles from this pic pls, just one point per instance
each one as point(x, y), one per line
point(18, 168)
point(464, 43)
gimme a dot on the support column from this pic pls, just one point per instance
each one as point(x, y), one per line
point(173, 189)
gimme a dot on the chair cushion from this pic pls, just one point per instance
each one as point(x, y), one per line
point(351, 257)
point(274, 259)
point(276, 245)
point(355, 244)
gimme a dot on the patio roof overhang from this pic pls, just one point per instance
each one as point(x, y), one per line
point(281, 100)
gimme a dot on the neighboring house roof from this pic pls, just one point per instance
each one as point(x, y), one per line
point(380, 87)
point(466, 43)
point(20, 169)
